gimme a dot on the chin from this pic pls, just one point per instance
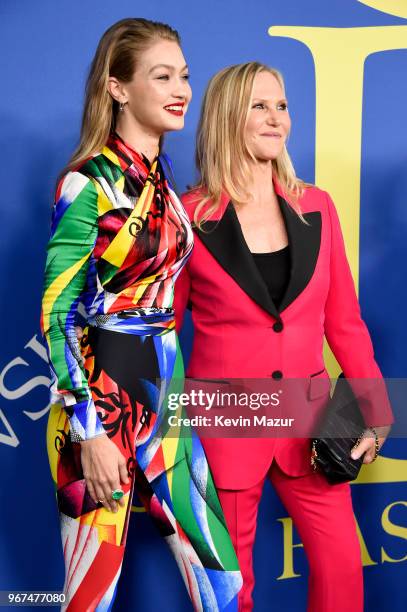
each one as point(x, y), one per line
point(269, 154)
point(177, 124)
point(172, 124)
point(266, 156)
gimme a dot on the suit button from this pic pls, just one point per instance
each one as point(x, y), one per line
point(277, 375)
point(278, 326)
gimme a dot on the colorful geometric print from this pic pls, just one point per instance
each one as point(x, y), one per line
point(169, 473)
point(119, 238)
point(118, 241)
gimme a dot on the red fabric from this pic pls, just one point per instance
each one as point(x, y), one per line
point(234, 337)
point(98, 578)
point(332, 547)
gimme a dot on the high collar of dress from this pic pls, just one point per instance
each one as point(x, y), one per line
point(126, 155)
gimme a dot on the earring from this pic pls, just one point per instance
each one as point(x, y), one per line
point(121, 106)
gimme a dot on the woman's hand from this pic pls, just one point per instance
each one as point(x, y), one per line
point(367, 443)
point(104, 469)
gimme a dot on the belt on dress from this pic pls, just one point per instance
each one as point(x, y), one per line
point(138, 321)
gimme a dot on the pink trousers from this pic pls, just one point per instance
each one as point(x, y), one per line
point(323, 516)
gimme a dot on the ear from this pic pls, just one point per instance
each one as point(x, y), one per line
point(116, 90)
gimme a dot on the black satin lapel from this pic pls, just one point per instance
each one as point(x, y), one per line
point(305, 241)
point(225, 240)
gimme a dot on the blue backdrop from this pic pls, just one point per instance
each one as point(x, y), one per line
point(46, 49)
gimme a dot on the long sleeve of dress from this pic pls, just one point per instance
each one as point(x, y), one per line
point(73, 236)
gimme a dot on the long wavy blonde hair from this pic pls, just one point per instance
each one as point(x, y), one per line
point(222, 156)
point(117, 54)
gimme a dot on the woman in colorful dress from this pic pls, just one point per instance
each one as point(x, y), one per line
point(119, 238)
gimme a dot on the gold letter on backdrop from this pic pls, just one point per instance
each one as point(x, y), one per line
point(394, 530)
point(339, 55)
point(392, 7)
point(288, 548)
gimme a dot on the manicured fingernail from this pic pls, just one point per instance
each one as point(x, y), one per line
point(354, 455)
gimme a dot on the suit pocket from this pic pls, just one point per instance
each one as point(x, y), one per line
point(319, 385)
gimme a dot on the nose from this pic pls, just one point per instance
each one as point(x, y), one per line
point(272, 117)
point(181, 90)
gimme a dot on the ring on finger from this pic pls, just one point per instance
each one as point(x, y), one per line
point(117, 494)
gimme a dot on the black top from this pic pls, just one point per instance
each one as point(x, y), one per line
point(274, 268)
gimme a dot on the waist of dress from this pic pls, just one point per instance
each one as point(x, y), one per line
point(138, 321)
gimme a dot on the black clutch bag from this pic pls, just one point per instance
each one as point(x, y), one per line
point(341, 428)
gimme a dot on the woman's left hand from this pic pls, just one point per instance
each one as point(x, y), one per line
point(367, 443)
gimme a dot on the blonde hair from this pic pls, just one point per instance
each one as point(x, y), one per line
point(222, 156)
point(117, 55)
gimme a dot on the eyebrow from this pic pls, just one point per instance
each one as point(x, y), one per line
point(166, 66)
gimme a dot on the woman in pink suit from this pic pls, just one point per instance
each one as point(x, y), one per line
point(268, 278)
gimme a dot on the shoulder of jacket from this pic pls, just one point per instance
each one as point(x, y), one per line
point(72, 183)
point(92, 167)
point(314, 197)
point(190, 200)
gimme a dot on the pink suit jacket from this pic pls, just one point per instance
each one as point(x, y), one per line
point(239, 332)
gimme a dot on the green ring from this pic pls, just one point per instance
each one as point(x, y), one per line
point(117, 494)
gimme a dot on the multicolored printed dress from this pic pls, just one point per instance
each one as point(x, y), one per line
point(119, 238)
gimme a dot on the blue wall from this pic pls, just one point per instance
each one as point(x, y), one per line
point(46, 49)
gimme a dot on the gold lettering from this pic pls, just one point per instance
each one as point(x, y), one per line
point(339, 55)
point(391, 7)
point(394, 530)
point(366, 558)
point(288, 548)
